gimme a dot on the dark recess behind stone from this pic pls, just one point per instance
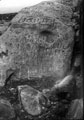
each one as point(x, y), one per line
point(7, 17)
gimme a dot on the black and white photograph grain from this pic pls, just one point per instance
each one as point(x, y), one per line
point(41, 59)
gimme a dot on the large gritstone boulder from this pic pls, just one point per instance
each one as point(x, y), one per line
point(40, 73)
point(39, 42)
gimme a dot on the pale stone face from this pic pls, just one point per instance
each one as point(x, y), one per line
point(39, 42)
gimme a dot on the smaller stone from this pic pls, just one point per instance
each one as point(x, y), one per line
point(6, 110)
point(3, 28)
point(30, 99)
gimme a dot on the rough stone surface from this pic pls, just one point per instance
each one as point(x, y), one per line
point(6, 110)
point(30, 99)
point(38, 43)
point(3, 28)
